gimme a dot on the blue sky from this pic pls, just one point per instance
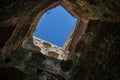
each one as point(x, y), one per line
point(55, 26)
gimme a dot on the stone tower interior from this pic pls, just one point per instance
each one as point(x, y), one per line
point(91, 52)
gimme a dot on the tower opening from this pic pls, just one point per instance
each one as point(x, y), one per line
point(55, 26)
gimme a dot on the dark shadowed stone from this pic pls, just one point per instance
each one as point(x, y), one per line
point(11, 73)
point(66, 65)
point(92, 25)
point(7, 60)
point(5, 34)
point(80, 46)
point(39, 71)
point(38, 57)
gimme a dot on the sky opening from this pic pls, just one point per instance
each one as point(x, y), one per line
point(55, 26)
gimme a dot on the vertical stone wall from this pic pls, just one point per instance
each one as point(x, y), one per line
point(99, 50)
point(18, 15)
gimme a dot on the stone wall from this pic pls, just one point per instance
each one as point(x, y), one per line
point(44, 47)
point(97, 55)
point(19, 15)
